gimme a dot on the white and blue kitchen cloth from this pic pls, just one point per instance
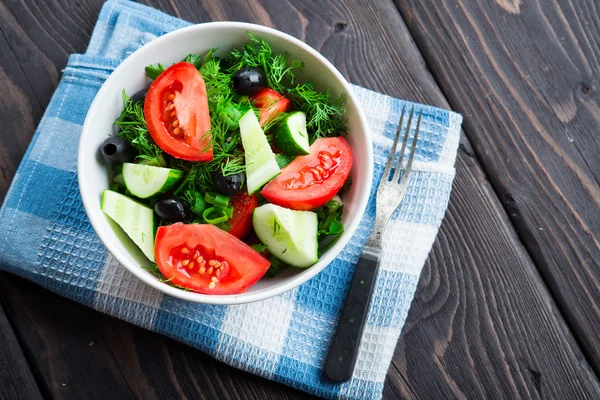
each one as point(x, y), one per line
point(46, 236)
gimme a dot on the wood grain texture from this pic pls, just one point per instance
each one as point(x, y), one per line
point(16, 378)
point(482, 323)
point(533, 112)
point(82, 353)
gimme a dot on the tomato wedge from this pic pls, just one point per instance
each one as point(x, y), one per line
point(176, 111)
point(312, 180)
point(270, 103)
point(206, 259)
point(241, 221)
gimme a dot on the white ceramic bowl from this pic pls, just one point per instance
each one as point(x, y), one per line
point(173, 47)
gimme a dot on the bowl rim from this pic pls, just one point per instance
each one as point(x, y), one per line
point(245, 297)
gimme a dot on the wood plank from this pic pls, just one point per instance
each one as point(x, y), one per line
point(16, 378)
point(483, 324)
point(82, 353)
point(533, 111)
point(471, 326)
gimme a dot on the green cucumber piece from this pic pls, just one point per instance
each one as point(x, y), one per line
point(261, 166)
point(291, 136)
point(290, 235)
point(145, 181)
point(134, 218)
point(283, 160)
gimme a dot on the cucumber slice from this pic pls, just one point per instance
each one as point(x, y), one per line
point(290, 235)
point(291, 136)
point(145, 181)
point(283, 160)
point(134, 218)
point(261, 166)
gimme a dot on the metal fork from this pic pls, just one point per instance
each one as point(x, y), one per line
point(343, 352)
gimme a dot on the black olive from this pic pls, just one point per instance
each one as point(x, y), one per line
point(140, 95)
point(248, 81)
point(116, 150)
point(171, 209)
point(229, 185)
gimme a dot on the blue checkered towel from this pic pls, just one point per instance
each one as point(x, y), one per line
point(46, 236)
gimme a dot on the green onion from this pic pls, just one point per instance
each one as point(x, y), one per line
point(229, 211)
point(209, 197)
point(214, 215)
point(217, 199)
point(196, 202)
point(221, 201)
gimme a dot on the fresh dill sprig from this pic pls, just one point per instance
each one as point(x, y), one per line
point(324, 117)
point(280, 73)
point(218, 83)
point(132, 126)
point(228, 154)
point(228, 157)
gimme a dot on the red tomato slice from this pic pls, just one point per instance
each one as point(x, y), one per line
point(270, 103)
point(206, 259)
point(312, 180)
point(176, 111)
point(241, 221)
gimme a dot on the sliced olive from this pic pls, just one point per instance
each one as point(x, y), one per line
point(248, 81)
point(140, 95)
point(116, 150)
point(229, 185)
point(171, 209)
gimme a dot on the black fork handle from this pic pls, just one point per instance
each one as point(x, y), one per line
point(343, 351)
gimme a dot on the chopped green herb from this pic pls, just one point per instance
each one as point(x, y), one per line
point(194, 59)
point(276, 267)
point(329, 217)
point(259, 248)
point(132, 126)
point(332, 206)
point(324, 116)
point(154, 70)
point(279, 71)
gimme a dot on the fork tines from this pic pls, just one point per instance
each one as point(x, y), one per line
point(391, 159)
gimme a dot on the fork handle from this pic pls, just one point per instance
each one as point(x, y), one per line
point(343, 351)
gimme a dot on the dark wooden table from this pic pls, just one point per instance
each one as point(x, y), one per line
point(508, 305)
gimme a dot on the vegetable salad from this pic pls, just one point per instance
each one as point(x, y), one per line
point(227, 169)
